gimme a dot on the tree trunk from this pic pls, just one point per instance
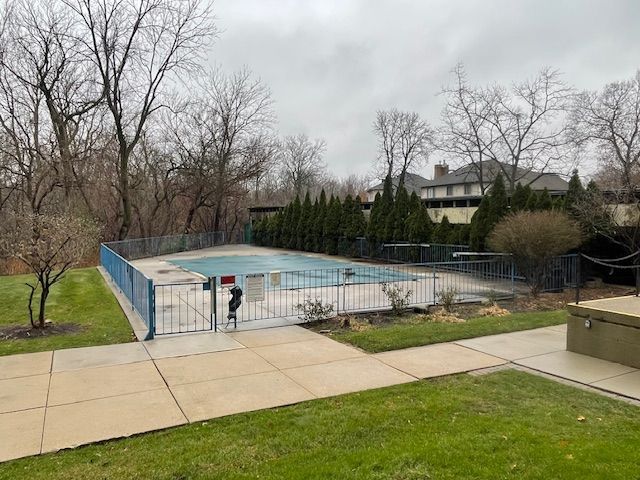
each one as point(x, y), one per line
point(43, 302)
point(125, 198)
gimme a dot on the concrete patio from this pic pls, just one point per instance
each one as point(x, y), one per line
point(55, 400)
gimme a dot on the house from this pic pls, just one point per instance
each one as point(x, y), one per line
point(457, 194)
point(412, 182)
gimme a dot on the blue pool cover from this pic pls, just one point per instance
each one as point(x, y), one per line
point(297, 271)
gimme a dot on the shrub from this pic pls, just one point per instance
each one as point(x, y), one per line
point(446, 298)
point(398, 298)
point(314, 310)
point(533, 239)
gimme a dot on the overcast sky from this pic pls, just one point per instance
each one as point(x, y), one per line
point(330, 64)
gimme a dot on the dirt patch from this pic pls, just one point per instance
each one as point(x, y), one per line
point(18, 332)
point(559, 300)
point(546, 301)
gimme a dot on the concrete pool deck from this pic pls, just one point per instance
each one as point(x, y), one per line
point(66, 398)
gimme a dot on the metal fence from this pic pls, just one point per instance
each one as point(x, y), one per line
point(154, 246)
point(133, 284)
point(137, 287)
point(404, 252)
point(190, 307)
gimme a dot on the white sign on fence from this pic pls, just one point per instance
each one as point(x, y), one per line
point(255, 287)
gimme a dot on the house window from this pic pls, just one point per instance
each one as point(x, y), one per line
point(431, 193)
point(449, 190)
point(467, 189)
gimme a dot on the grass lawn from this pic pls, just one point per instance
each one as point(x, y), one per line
point(413, 330)
point(507, 424)
point(81, 298)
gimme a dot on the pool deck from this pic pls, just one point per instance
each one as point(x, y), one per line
point(66, 398)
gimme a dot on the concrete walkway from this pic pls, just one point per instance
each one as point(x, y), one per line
point(62, 399)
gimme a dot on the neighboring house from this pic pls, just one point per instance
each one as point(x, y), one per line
point(457, 194)
point(412, 182)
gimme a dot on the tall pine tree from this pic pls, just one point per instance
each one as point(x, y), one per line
point(544, 200)
point(318, 230)
point(292, 231)
point(575, 193)
point(304, 223)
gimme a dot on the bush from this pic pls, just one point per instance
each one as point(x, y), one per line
point(447, 298)
point(534, 238)
point(398, 298)
point(314, 310)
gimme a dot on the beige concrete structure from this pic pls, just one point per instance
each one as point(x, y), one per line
point(91, 395)
point(608, 329)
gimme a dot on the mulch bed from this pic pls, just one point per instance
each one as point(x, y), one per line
point(18, 332)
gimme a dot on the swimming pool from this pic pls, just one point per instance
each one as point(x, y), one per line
point(297, 271)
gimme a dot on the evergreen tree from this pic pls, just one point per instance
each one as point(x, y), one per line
point(312, 229)
point(399, 213)
point(358, 220)
point(519, 198)
point(373, 233)
point(463, 234)
point(477, 227)
point(575, 192)
point(292, 233)
point(304, 223)
point(559, 204)
point(544, 200)
point(499, 201)
point(318, 230)
point(344, 230)
point(443, 231)
point(283, 230)
point(532, 202)
point(493, 207)
point(419, 226)
point(384, 233)
point(332, 223)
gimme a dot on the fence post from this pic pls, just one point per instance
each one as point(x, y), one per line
point(434, 284)
point(337, 291)
point(213, 303)
point(151, 306)
point(578, 273)
point(513, 279)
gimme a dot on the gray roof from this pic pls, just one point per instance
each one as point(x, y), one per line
point(412, 182)
point(491, 168)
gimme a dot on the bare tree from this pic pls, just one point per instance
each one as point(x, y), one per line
point(301, 162)
point(404, 141)
point(522, 128)
point(49, 245)
point(465, 133)
point(136, 46)
point(222, 140)
point(530, 124)
point(41, 53)
point(610, 121)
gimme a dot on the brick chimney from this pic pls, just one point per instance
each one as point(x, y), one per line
point(439, 170)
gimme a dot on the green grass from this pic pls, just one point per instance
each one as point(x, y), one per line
point(404, 334)
point(82, 297)
point(508, 424)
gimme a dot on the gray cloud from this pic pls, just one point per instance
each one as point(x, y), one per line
point(331, 64)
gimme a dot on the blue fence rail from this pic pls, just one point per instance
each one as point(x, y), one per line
point(133, 284)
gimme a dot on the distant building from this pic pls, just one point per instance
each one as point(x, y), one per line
point(457, 194)
point(412, 182)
